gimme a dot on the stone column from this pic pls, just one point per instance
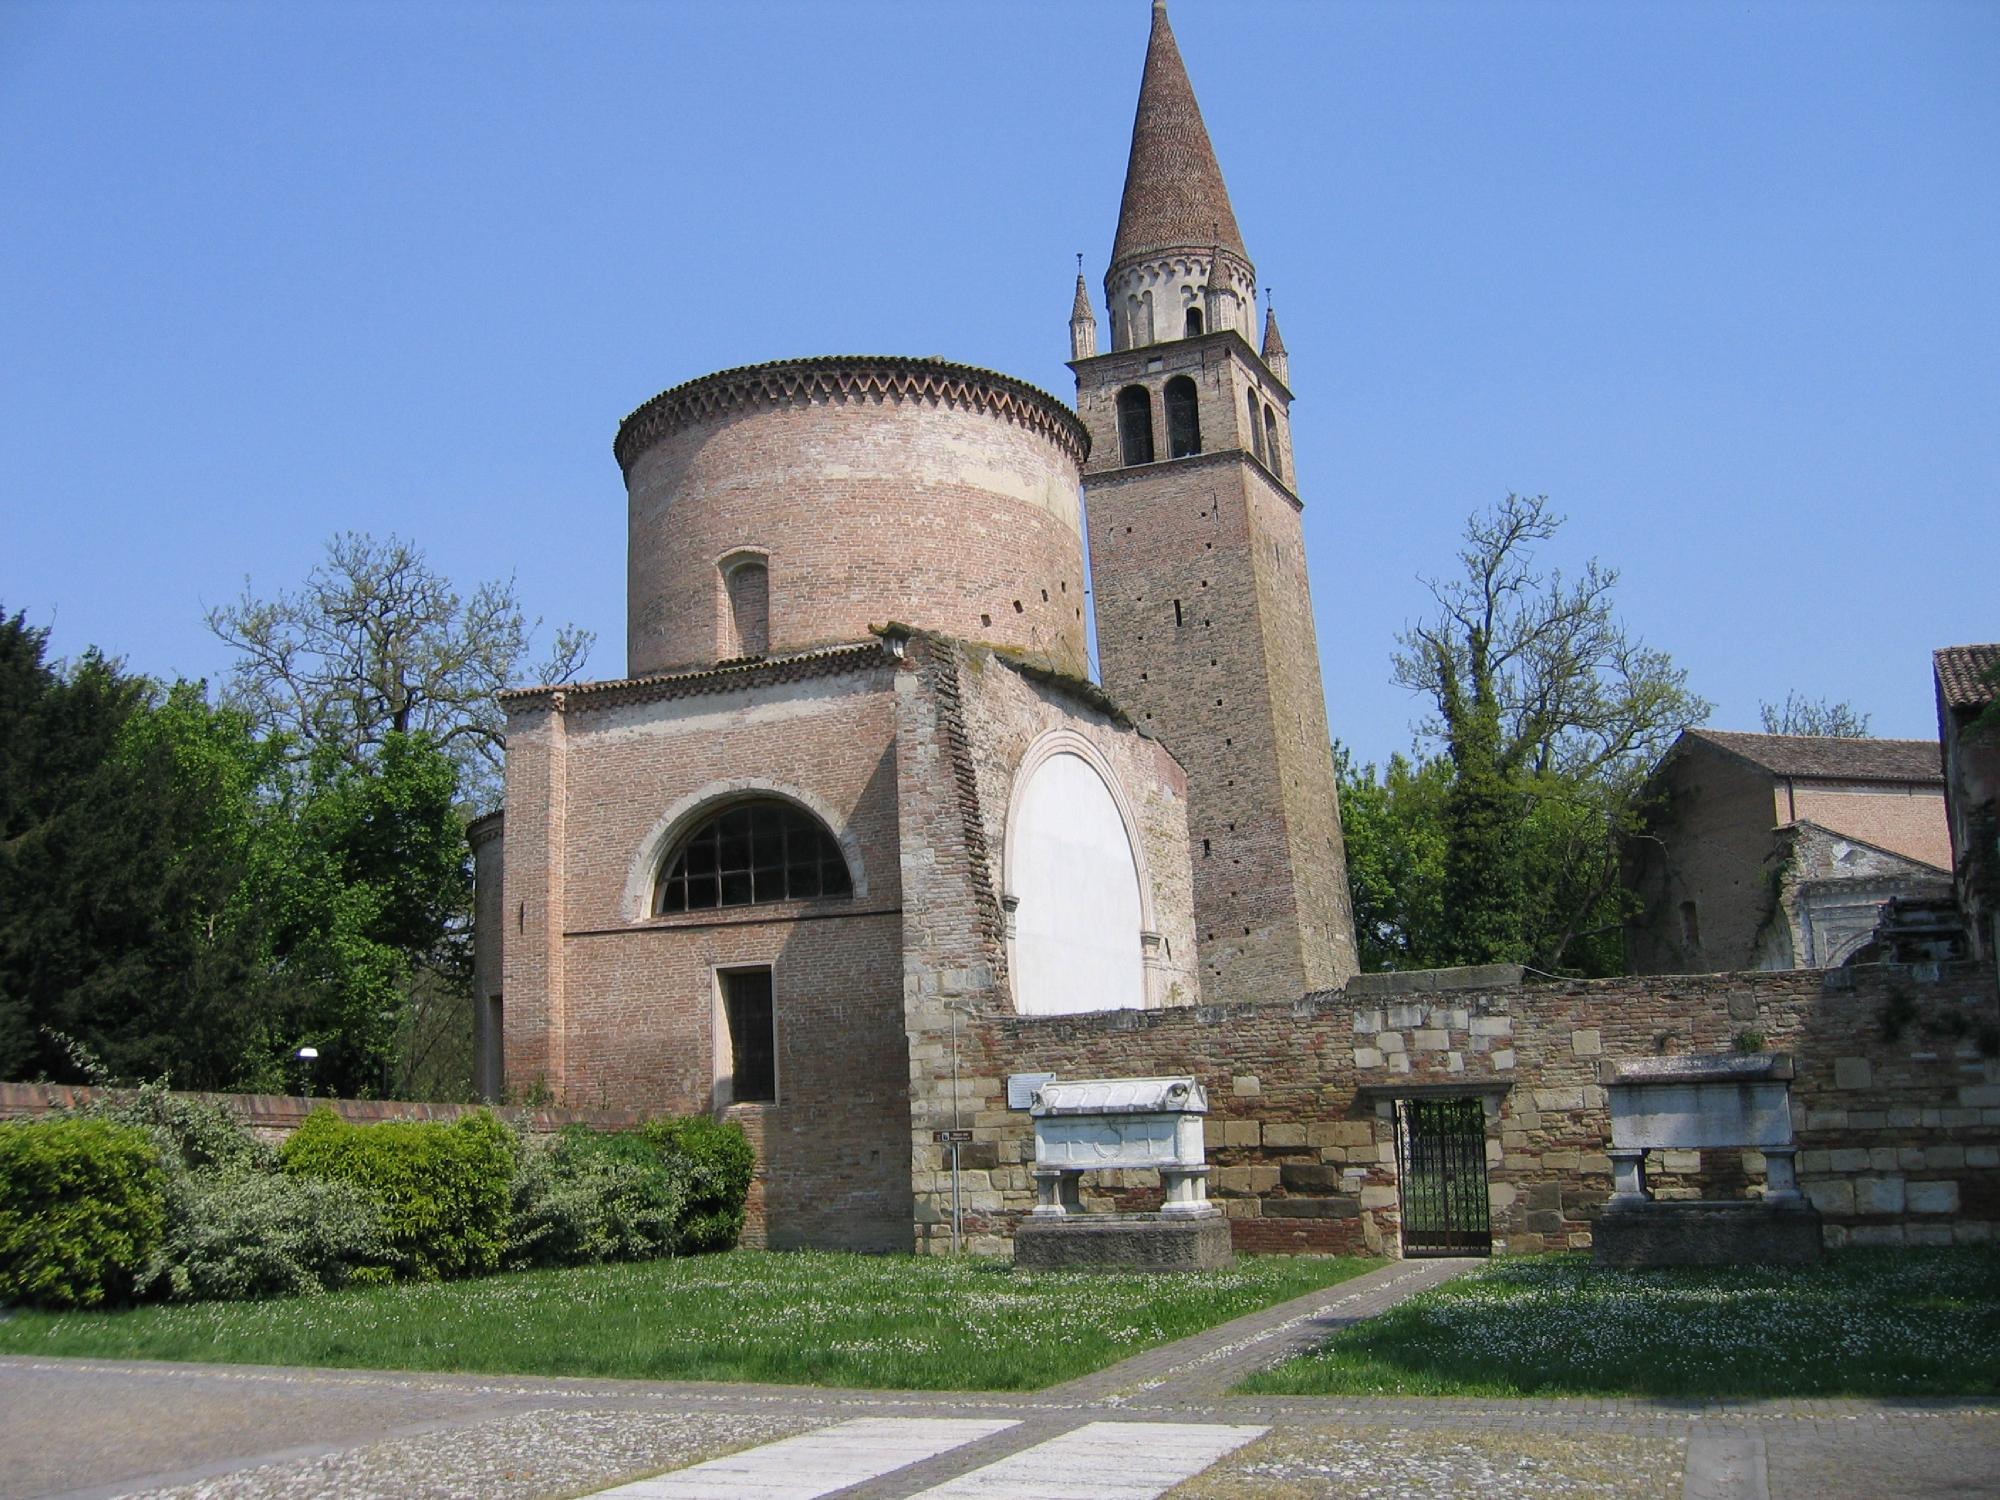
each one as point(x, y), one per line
point(1781, 1178)
point(1628, 1176)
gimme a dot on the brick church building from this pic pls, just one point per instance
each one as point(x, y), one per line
point(858, 788)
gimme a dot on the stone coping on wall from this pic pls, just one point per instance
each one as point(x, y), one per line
point(1723, 1067)
point(1429, 981)
point(285, 1112)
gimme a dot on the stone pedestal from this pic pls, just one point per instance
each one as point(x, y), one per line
point(1124, 1242)
point(1634, 1236)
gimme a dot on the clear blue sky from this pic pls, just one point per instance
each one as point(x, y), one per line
point(1721, 279)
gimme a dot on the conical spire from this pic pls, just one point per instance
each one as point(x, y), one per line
point(1174, 194)
point(1276, 360)
point(1274, 341)
point(1082, 320)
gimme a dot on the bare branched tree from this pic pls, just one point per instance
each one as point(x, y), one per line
point(1551, 714)
point(1575, 695)
point(376, 642)
point(1801, 715)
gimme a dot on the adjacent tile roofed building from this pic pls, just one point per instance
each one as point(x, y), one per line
point(1831, 758)
point(1174, 193)
point(1966, 674)
point(1777, 851)
point(1968, 680)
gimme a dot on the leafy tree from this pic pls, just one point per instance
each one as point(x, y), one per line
point(1801, 715)
point(1393, 821)
point(127, 822)
point(363, 880)
point(377, 644)
point(1549, 713)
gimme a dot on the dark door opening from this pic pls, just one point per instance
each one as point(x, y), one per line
point(1441, 1161)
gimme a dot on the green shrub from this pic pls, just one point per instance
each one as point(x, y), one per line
point(192, 1134)
point(82, 1206)
point(717, 1161)
point(240, 1232)
point(584, 1196)
point(443, 1190)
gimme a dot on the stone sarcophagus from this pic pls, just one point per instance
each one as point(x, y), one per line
point(1691, 1104)
point(1109, 1124)
point(1105, 1123)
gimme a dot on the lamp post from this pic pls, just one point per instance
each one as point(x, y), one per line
point(307, 1056)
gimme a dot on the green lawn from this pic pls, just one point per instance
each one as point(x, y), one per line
point(910, 1322)
point(1861, 1323)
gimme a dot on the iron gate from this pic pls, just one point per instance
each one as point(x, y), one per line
point(1441, 1161)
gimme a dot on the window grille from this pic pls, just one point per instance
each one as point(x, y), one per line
point(753, 852)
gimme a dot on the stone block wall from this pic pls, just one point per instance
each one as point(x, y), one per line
point(1896, 1104)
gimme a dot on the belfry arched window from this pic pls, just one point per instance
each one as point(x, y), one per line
point(1183, 418)
point(751, 852)
point(1271, 442)
point(1135, 425)
point(1193, 328)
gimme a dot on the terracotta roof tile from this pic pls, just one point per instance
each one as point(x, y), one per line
point(822, 661)
point(1174, 194)
point(1831, 758)
point(1966, 674)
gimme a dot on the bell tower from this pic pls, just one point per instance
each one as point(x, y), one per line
point(1204, 617)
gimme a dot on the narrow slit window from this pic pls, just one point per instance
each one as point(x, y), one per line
point(749, 588)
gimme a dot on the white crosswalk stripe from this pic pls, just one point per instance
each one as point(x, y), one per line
point(813, 1463)
point(1104, 1460)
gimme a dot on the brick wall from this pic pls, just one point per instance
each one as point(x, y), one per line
point(607, 1003)
point(1206, 637)
point(1896, 1103)
point(873, 500)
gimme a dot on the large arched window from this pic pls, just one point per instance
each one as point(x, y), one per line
point(1183, 418)
point(1074, 881)
point(1271, 443)
point(751, 852)
point(1135, 425)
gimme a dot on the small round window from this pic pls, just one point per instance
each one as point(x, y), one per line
point(752, 852)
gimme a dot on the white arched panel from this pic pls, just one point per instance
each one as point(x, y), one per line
point(1075, 886)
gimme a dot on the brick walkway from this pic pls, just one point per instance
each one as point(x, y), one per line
point(92, 1430)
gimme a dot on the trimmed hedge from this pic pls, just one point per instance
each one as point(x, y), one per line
point(718, 1160)
point(82, 1206)
point(584, 1195)
point(443, 1190)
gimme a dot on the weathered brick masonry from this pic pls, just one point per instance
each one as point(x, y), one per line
point(1896, 1102)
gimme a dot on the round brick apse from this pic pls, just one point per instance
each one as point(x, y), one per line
point(869, 490)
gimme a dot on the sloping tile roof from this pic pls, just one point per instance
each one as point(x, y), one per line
point(823, 661)
point(1174, 194)
point(1964, 673)
point(1831, 758)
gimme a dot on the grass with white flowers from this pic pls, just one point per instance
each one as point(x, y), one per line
point(1860, 1323)
point(814, 1317)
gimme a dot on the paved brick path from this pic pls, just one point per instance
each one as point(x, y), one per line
point(92, 1430)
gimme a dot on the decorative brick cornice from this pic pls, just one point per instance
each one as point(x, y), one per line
point(843, 378)
point(576, 697)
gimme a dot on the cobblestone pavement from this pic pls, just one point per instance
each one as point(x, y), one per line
point(93, 1430)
